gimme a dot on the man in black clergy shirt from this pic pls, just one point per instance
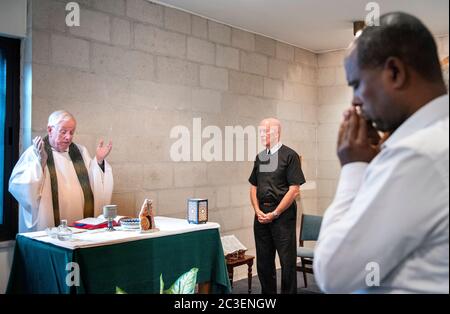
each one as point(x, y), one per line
point(275, 183)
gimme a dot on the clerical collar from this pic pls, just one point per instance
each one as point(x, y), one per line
point(274, 148)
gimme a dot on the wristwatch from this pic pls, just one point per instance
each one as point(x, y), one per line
point(275, 214)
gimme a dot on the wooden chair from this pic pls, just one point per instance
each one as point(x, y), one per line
point(309, 231)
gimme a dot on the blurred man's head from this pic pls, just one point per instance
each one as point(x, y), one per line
point(61, 128)
point(394, 69)
point(270, 132)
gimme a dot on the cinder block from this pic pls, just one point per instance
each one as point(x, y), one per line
point(327, 150)
point(242, 39)
point(231, 219)
point(326, 188)
point(328, 131)
point(190, 174)
point(335, 95)
point(120, 32)
point(273, 88)
point(331, 114)
point(125, 203)
point(254, 63)
point(284, 51)
point(308, 149)
point(155, 96)
point(177, 20)
point(152, 39)
point(214, 216)
point(206, 100)
point(240, 195)
point(155, 149)
point(42, 108)
point(199, 27)
point(123, 62)
point(295, 73)
point(158, 176)
point(341, 76)
point(145, 11)
point(49, 15)
point(219, 33)
point(298, 131)
point(249, 106)
point(309, 113)
point(305, 57)
point(328, 169)
point(69, 51)
point(175, 71)
point(223, 197)
point(331, 59)
point(212, 77)
point(210, 193)
point(300, 93)
point(265, 45)
point(289, 111)
point(326, 76)
point(200, 50)
point(174, 200)
point(278, 69)
point(93, 25)
point(219, 173)
point(116, 7)
point(248, 84)
point(41, 47)
point(128, 177)
point(309, 75)
point(227, 57)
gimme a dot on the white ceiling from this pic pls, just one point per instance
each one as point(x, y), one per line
point(316, 25)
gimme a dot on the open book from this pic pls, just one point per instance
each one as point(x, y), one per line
point(91, 223)
point(232, 245)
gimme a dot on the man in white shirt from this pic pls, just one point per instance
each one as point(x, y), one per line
point(56, 179)
point(387, 230)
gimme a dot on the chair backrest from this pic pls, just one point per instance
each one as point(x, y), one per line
point(310, 228)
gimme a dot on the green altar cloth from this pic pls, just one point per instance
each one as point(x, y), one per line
point(134, 266)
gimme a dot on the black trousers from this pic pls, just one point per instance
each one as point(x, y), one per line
point(277, 236)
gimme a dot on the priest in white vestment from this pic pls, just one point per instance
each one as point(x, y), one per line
point(56, 179)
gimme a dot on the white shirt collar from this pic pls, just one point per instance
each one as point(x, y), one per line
point(275, 148)
point(434, 111)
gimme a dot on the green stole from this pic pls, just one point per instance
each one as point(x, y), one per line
point(83, 178)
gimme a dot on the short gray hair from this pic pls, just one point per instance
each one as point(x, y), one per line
point(59, 116)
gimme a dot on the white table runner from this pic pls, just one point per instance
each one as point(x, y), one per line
point(89, 238)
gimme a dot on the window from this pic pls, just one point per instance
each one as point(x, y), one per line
point(9, 131)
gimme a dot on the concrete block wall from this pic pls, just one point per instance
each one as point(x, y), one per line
point(133, 70)
point(334, 98)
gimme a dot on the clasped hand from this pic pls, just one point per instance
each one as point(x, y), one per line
point(265, 218)
point(358, 140)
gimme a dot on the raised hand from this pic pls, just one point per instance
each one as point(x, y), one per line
point(103, 151)
point(39, 149)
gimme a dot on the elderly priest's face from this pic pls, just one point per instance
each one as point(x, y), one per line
point(60, 136)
